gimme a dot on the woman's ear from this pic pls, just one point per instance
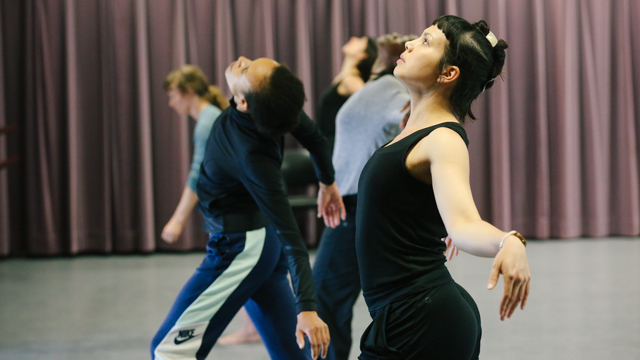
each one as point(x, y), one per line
point(449, 75)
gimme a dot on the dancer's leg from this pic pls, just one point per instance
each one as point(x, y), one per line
point(337, 283)
point(246, 334)
point(235, 266)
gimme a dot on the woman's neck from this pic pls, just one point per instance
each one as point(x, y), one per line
point(196, 108)
point(428, 109)
point(349, 68)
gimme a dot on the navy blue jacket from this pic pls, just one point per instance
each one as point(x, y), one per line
point(241, 188)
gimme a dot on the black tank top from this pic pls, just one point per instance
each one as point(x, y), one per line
point(398, 226)
point(328, 105)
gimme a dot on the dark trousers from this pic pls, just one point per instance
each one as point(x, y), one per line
point(239, 269)
point(337, 281)
point(441, 323)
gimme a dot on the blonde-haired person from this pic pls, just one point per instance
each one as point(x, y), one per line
point(190, 94)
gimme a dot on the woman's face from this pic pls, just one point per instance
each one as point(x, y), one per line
point(180, 102)
point(419, 63)
point(356, 47)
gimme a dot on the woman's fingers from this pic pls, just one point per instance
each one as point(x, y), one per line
point(507, 295)
point(526, 294)
point(520, 298)
point(515, 300)
point(519, 291)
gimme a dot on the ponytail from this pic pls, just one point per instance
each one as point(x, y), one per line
point(215, 96)
point(192, 77)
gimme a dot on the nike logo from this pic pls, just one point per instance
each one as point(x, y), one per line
point(184, 335)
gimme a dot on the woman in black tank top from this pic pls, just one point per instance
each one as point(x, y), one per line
point(415, 190)
point(359, 56)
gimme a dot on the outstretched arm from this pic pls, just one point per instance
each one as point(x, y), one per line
point(442, 159)
point(189, 198)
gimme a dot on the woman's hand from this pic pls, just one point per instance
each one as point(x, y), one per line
point(511, 262)
point(171, 231)
point(311, 326)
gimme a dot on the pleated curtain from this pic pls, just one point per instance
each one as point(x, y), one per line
point(554, 153)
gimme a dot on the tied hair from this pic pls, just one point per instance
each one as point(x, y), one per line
point(498, 54)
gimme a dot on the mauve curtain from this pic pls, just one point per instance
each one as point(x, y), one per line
point(104, 159)
point(4, 191)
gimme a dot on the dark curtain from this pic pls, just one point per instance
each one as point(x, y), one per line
point(104, 160)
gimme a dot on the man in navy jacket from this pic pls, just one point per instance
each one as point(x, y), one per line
point(254, 238)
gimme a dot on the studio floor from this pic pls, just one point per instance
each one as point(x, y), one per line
point(584, 304)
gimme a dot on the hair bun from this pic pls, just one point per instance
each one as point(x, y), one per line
point(501, 45)
point(499, 56)
point(483, 27)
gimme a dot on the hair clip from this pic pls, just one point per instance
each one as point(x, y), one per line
point(492, 39)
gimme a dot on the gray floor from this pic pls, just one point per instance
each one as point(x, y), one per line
point(584, 304)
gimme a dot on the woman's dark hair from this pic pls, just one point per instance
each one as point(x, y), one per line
point(479, 63)
point(192, 77)
point(277, 103)
point(364, 67)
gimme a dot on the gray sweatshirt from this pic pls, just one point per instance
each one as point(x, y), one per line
point(369, 119)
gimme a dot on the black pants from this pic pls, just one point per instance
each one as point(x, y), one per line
point(443, 323)
point(337, 281)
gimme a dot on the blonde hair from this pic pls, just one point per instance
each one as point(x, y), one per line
point(192, 77)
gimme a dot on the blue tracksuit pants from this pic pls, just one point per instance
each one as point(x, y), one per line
point(239, 268)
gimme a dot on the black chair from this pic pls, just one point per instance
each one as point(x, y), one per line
point(299, 174)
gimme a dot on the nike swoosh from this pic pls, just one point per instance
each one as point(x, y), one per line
point(178, 342)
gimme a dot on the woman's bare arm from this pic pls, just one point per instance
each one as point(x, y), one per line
point(442, 159)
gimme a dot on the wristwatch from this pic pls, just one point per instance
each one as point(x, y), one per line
point(516, 234)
